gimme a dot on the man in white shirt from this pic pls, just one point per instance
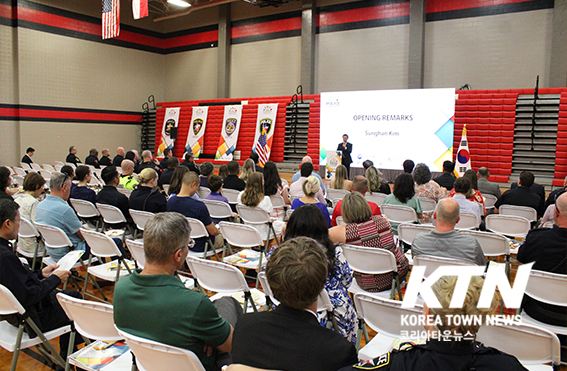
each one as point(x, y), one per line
point(296, 176)
point(462, 188)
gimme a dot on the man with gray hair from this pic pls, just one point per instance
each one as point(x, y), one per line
point(154, 304)
point(484, 185)
point(56, 212)
point(445, 241)
point(147, 162)
point(297, 175)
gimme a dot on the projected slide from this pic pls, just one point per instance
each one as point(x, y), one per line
point(389, 126)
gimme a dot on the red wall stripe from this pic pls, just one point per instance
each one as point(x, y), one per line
point(68, 115)
point(364, 14)
point(435, 6)
point(266, 27)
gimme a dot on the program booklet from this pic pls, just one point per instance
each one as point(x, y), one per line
point(68, 261)
point(97, 355)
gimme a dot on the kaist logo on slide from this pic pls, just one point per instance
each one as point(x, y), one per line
point(332, 102)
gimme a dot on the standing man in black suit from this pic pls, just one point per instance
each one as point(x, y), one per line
point(290, 337)
point(346, 149)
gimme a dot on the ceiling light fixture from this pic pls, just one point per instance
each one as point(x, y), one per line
point(180, 3)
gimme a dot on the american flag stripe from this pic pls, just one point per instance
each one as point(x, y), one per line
point(110, 18)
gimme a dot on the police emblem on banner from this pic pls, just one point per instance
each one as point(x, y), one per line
point(168, 125)
point(230, 126)
point(197, 125)
point(265, 126)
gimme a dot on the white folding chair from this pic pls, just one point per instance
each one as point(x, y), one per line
point(19, 180)
point(111, 215)
point(154, 356)
point(140, 218)
point(95, 182)
point(549, 288)
point(136, 248)
point(19, 171)
point(492, 244)
point(165, 188)
point(103, 246)
point(58, 167)
point(48, 167)
point(399, 213)
point(427, 204)
point(527, 212)
point(124, 191)
point(256, 217)
point(231, 195)
point(224, 279)
point(336, 194)
point(87, 211)
point(94, 321)
point(58, 163)
point(35, 167)
point(383, 316)
point(14, 339)
point(245, 237)
point(280, 208)
point(375, 197)
point(489, 201)
point(508, 225)
point(340, 220)
point(25, 166)
point(12, 172)
point(28, 230)
point(431, 263)
point(198, 230)
point(72, 165)
point(407, 231)
point(532, 345)
point(203, 192)
point(468, 221)
point(45, 174)
point(219, 209)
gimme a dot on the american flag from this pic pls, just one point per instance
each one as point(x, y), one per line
point(262, 149)
point(110, 18)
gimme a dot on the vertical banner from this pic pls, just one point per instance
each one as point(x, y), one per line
point(170, 120)
point(229, 133)
point(265, 126)
point(197, 130)
point(463, 160)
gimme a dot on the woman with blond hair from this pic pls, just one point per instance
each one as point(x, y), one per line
point(364, 229)
point(375, 181)
point(147, 196)
point(310, 187)
point(340, 180)
point(247, 169)
point(253, 196)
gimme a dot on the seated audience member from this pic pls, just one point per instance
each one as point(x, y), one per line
point(35, 290)
point(92, 158)
point(340, 180)
point(71, 172)
point(207, 169)
point(546, 247)
point(408, 166)
point(366, 164)
point(445, 241)
point(447, 179)
point(109, 195)
point(359, 185)
point(461, 191)
point(128, 179)
point(28, 156)
point(154, 304)
point(166, 156)
point(310, 188)
point(296, 188)
point(247, 169)
point(189, 163)
point(375, 182)
point(446, 346)
point(485, 186)
point(555, 194)
point(273, 183)
point(232, 181)
point(297, 175)
point(172, 164)
point(404, 195)
point(28, 201)
point(425, 187)
point(147, 162)
point(72, 156)
point(223, 171)
point(215, 185)
point(56, 212)
point(306, 221)
point(130, 155)
point(117, 160)
point(147, 196)
point(184, 204)
point(537, 189)
point(473, 194)
point(177, 179)
point(289, 337)
point(548, 216)
point(522, 195)
point(105, 159)
point(254, 157)
point(253, 196)
point(82, 191)
point(364, 229)
point(5, 181)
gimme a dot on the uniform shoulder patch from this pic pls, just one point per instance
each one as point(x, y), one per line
point(379, 363)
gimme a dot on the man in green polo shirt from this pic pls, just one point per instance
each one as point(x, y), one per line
point(154, 303)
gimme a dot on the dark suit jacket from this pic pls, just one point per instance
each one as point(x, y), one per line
point(345, 159)
point(105, 160)
point(291, 340)
point(117, 161)
point(539, 190)
point(27, 159)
